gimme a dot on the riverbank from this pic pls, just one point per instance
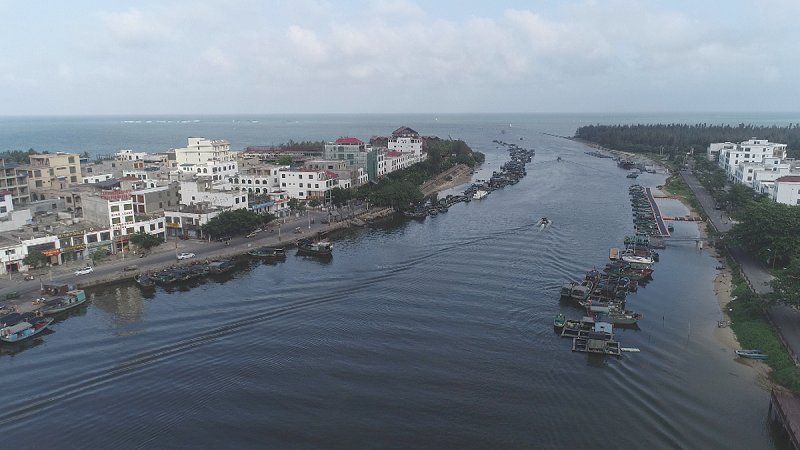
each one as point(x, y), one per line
point(281, 233)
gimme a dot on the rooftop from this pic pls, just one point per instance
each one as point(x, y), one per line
point(349, 141)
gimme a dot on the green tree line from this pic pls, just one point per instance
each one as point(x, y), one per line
point(680, 138)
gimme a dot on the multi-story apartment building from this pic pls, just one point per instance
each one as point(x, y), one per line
point(156, 199)
point(14, 180)
point(201, 150)
point(352, 150)
point(53, 171)
point(754, 150)
point(306, 184)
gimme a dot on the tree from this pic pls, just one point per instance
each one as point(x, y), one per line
point(285, 160)
point(35, 259)
point(313, 203)
point(98, 255)
point(236, 222)
point(145, 241)
point(787, 283)
point(768, 230)
point(340, 196)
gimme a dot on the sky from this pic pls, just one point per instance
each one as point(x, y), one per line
point(85, 57)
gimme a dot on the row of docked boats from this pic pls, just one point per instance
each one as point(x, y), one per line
point(644, 218)
point(510, 173)
point(305, 247)
point(603, 294)
point(18, 327)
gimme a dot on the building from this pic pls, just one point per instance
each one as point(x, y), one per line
point(53, 171)
point(14, 179)
point(306, 184)
point(349, 149)
point(111, 209)
point(754, 150)
point(196, 192)
point(200, 150)
point(186, 221)
point(156, 199)
point(787, 190)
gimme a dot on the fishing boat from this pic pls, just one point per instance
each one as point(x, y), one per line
point(623, 317)
point(145, 281)
point(479, 194)
point(321, 249)
point(25, 329)
point(638, 260)
point(560, 321)
point(72, 299)
point(544, 222)
point(633, 175)
point(751, 354)
point(273, 253)
point(220, 267)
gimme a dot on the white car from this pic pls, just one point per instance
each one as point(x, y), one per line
point(84, 271)
point(185, 255)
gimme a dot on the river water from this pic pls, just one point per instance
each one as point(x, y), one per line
point(418, 334)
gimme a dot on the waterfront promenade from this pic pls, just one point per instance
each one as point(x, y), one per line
point(282, 232)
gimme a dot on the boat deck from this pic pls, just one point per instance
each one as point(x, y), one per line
point(611, 347)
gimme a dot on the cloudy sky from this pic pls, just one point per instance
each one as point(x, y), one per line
point(317, 56)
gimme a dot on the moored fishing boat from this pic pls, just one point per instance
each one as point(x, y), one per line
point(71, 300)
point(560, 321)
point(268, 253)
point(145, 281)
point(479, 194)
point(220, 267)
point(25, 329)
point(320, 249)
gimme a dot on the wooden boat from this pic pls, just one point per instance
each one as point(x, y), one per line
point(145, 281)
point(560, 321)
point(270, 253)
point(220, 267)
point(479, 194)
point(624, 317)
point(24, 330)
point(72, 299)
point(752, 354)
point(321, 249)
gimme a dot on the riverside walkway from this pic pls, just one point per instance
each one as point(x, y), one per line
point(662, 228)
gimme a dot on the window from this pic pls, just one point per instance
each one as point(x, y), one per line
point(152, 227)
point(127, 206)
point(301, 184)
point(316, 185)
point(301, 194)
point(115, 220)
point(283, 175)
point(115, 208)
point(3, 209)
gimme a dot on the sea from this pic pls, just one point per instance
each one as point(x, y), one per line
point(434, 333)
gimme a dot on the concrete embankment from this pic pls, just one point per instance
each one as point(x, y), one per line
point(283, 233)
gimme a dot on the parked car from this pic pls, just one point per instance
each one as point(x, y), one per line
point(185, 255)
point(84, 271)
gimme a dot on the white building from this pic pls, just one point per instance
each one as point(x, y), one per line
point(754, 150)
point(787, 190)
point(201, 150)
point(405, 144)
point(751, 173)
point(305, 184)
point(194, 192)
point(129, 155)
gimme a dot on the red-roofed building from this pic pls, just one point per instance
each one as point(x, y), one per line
point(349, 141)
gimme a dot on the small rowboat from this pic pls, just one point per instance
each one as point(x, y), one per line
point(752, 354)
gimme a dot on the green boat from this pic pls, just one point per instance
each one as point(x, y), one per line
point(560, 321)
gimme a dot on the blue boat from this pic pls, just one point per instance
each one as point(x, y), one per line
point(25, 329)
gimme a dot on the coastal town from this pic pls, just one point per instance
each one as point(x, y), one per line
point(67, 207)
